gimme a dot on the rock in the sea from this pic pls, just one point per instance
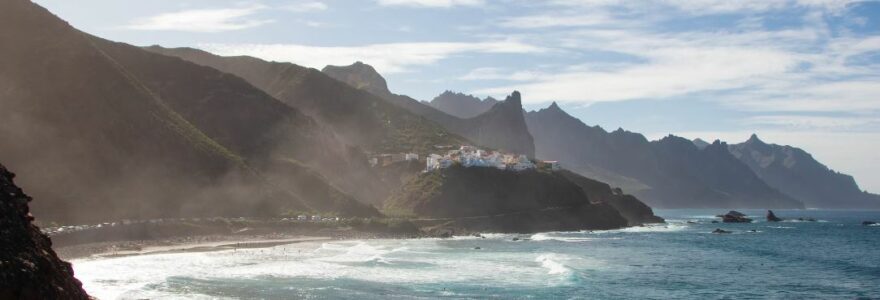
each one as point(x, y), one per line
point(515, 239)
point(806, 219)
point(868, 223)
point(771, 217)
point(719, 231)
point(734, 217)
point(29, 268)
point(477, 248)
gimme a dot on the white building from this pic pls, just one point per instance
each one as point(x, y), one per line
point(469, 156)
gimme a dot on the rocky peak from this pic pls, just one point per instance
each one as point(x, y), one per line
point(700, 143)
point(514, 101)
point(755, 140)
point(361, 76)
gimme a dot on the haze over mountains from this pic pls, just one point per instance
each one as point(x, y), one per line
point(122, 132)
point(104, 131)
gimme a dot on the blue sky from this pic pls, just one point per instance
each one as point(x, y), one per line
point(799, 72)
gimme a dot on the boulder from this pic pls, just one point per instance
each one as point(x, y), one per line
point(720, 231)
point(869, 223)
point(771, 217)
point(734, 217)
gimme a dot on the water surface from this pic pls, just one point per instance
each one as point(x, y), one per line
point(835, 257)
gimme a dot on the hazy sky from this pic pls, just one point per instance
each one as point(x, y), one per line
point(799, 72)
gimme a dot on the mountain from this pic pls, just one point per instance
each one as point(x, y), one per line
point(102, 130)
point(795, 172)
point(359, 117)
point(488, 199)
point(669, 173)
point(700, 143)
point(461, 105)
point(361, 76)
point(501, 127)
point(30, 269)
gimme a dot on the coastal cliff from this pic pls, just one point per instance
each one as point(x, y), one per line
point(29, 268)
point(488, 199)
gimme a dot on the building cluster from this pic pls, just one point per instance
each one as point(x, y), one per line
point(469, 156)
point(315, 218)
point(390, 158)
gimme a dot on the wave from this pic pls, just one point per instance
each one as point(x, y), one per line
point(662, 227)
point(360, 252)
point(549, 236)
point(550, 261)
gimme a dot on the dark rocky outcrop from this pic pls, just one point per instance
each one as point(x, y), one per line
point(720, 231)
point(29, 268)
point(734, 217)
point(869, 223)
point(462, 105)
point(795, 172)
point(635, 211)
point(487, 199)
point(670, 173)
point(771, 217)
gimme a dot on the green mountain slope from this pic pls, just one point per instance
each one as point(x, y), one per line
point(103, 130)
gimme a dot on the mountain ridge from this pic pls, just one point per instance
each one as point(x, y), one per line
point(795, 172)
point(461, 105)
point(496, 130)
point(671, 172)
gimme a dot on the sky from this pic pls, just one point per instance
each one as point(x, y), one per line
point(796, 72)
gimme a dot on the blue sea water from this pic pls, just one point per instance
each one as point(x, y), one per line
point(833, 258)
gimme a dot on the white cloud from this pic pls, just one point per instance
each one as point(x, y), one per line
point(708, 7)
point(500, 74)
point(826, 123)
point(202, 20)
point(544, 21)
point(387, 58)
point(431, 3)
point(747, 68)
point(306, 6)
point(670, 67)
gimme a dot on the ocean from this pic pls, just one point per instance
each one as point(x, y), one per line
point(835, 257)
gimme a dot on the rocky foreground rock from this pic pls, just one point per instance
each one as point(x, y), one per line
point(771, 217)
point(29, 268)
point(734, 217)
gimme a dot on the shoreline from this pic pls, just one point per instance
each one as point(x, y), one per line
point(192, 244)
